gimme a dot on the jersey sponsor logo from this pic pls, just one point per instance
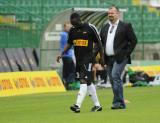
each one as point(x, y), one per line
point(80, 42)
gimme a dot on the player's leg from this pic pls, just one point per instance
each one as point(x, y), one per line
point(82, 91)
point(92, 90)
point(94, 97)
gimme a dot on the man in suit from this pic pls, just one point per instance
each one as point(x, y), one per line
point(118, 40)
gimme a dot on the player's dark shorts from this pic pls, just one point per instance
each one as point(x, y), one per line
point(85, 72)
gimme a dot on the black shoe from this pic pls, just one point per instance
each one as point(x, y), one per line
point(118, 107)
point(75, 108)
point(96, 108)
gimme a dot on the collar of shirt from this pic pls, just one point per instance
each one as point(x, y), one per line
point(115, 24)
point(110, 39)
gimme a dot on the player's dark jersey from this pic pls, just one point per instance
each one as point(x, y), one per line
point(83, 39)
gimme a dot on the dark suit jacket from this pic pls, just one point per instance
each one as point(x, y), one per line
point(124, 42)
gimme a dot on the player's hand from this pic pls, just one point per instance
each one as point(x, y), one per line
point(58, 58)
point(101, 61)
point(105, 66)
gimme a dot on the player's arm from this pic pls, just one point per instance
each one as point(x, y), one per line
point(98, 44)
point(99, 49)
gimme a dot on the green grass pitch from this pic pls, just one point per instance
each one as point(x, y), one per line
point(144, 107)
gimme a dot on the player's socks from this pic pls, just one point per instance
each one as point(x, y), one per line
point(93, 94)
point(81, 94)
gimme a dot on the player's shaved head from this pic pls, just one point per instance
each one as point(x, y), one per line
point(75, 19)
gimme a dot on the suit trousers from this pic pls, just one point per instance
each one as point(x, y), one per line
point(114, 71)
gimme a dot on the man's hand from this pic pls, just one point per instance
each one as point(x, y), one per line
point(58, 58)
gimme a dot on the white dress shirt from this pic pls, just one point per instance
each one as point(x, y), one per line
point(110, 38)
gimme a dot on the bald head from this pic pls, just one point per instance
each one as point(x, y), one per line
point(113, 14)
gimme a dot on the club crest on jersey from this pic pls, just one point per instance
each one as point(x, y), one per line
point(80, 42)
